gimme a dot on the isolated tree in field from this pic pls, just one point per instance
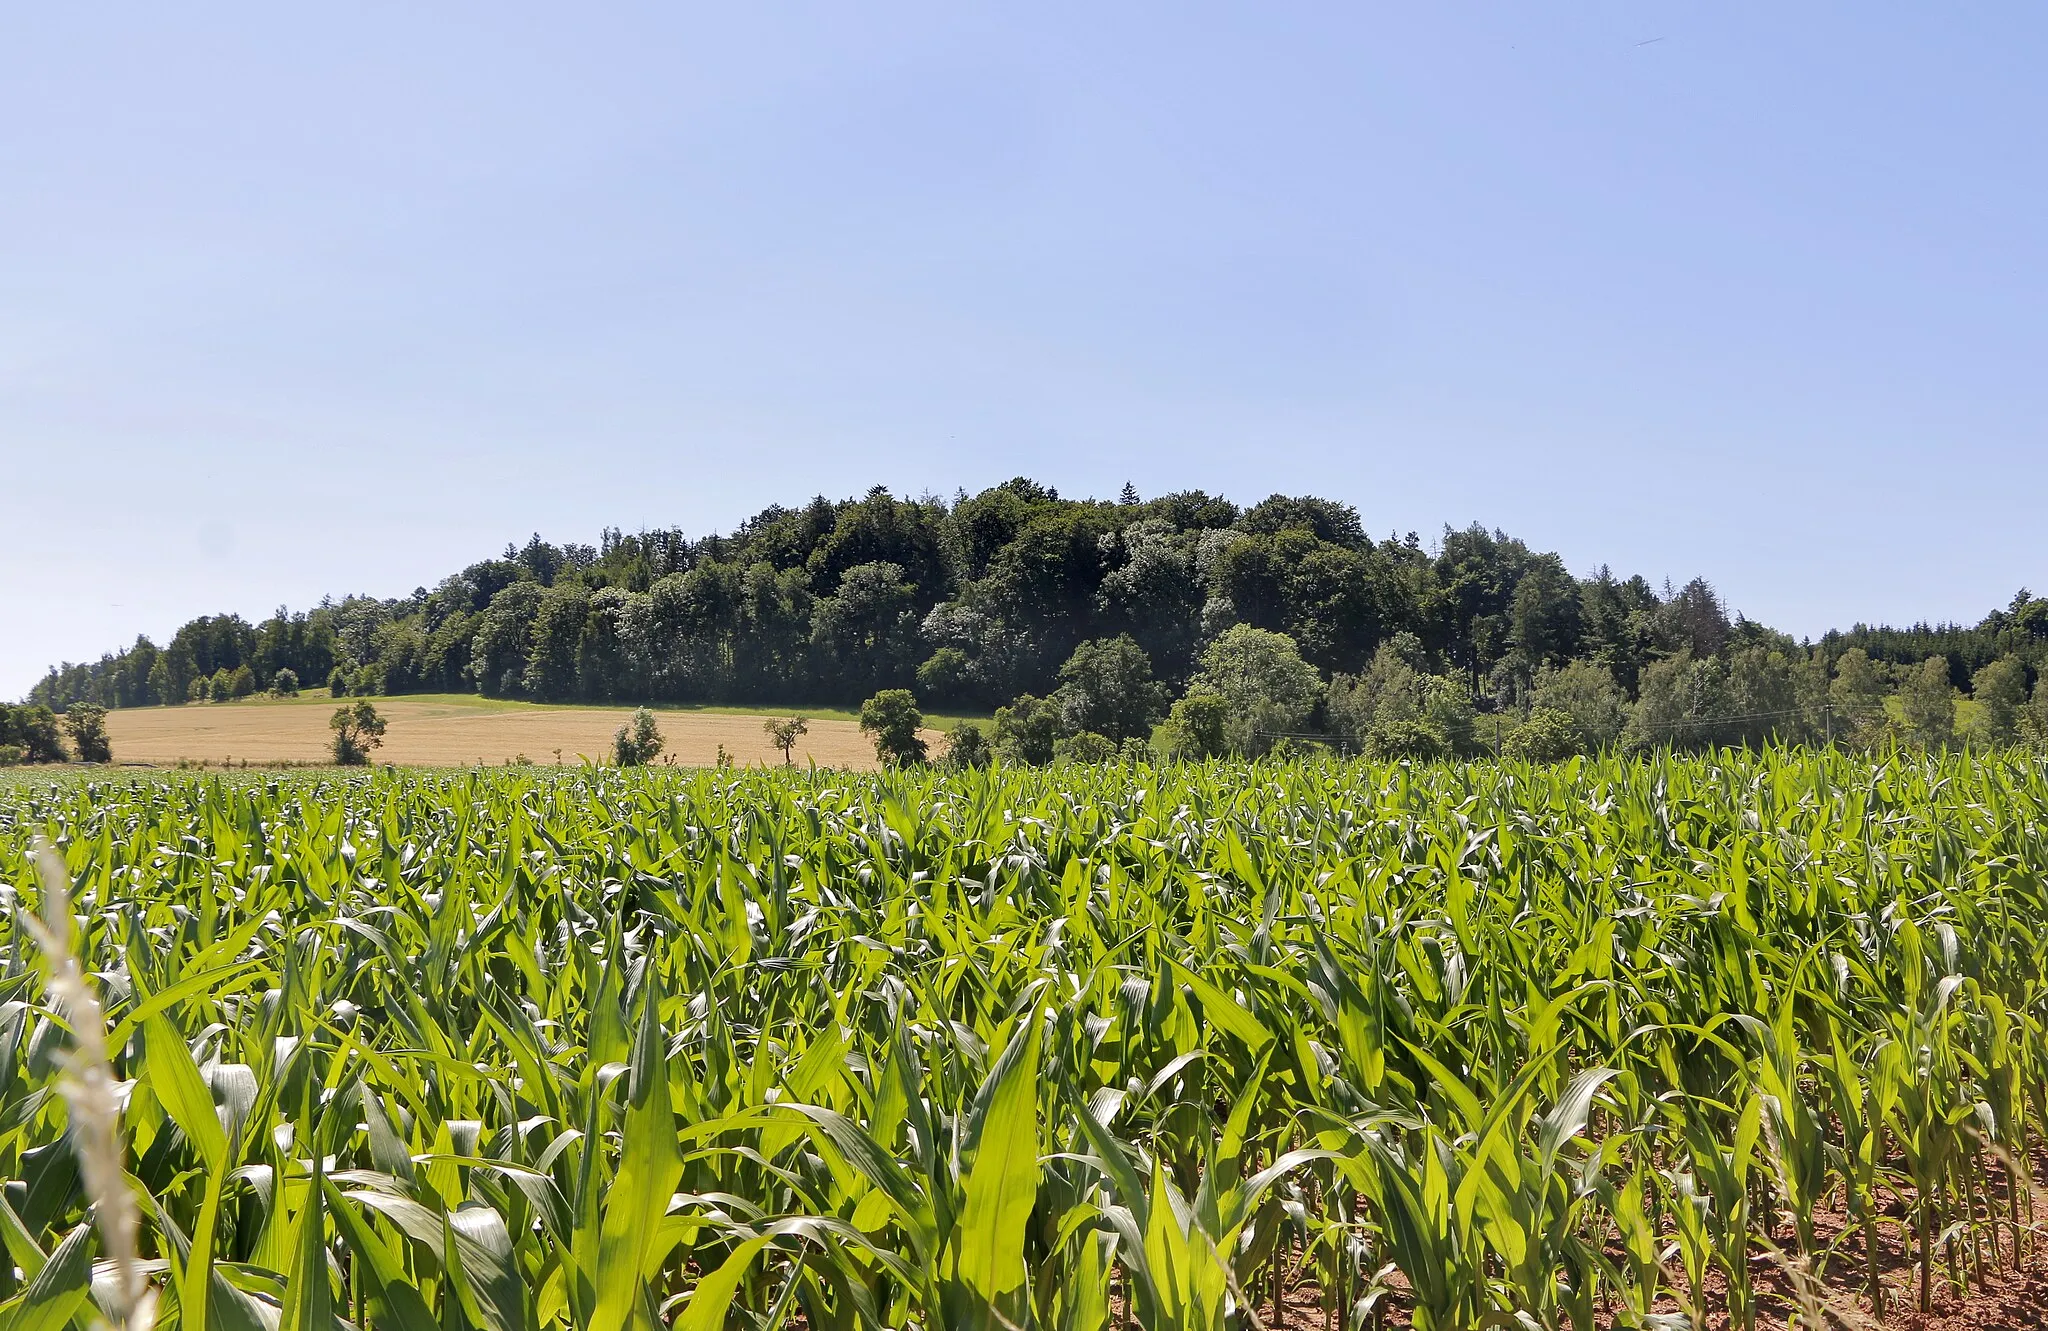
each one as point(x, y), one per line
point(86, 723)
point(784, 732)
point(357, 729)
point(891, 719)
point(1927, 704)
point(638, 742)
point(285, 683)
point(2000, 692)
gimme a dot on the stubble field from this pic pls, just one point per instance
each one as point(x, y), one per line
point(455, 731)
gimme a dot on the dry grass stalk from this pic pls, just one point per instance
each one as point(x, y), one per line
point(88, 1088)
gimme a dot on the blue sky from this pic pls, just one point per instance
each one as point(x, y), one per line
point(295, 303)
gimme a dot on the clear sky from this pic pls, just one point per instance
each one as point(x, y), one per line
point(296, 302)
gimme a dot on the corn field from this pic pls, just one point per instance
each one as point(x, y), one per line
point(1666, 1043)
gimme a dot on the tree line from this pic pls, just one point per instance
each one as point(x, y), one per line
point(1236, 628)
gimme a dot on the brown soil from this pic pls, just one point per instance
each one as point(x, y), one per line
point(457, 733)
point(2010, 1294)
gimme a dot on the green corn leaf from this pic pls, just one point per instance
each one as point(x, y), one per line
point(22, 1248)
point(309, 1298)
point(59, 1291)
point(392, 1302)
point(175, 1079)
point(877, 1166)
point(712, 1298)
point(650, 1166)
point(1002, 1186)
point(477, 1250)
point(1228, 1014)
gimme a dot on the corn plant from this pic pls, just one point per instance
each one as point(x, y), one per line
point(1467, 1046)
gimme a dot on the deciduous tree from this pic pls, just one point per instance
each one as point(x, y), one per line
point(1927, 705)
point(784, 732)
point(891, 719)
point(86, 723)
point(357, 729)
point(637, 742)
point(1106, 686)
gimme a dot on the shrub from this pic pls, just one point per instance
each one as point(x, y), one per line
point(967, 747)
point(87, 724)
point(285, 683)
point(1027, 730)
point(220, 686)
point(242, 683)
point(1550, 735)
point(357, 730)
point(1406, 737)
point(636, 743)
point(891, 719)
point(11, 754)
point(1085, 747)
point(1197, 727)
point(337, 681)
point(31, 730)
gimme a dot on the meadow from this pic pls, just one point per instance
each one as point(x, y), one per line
point(1729, 1040)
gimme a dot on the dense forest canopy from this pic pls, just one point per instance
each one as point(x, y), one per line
point(985, 600)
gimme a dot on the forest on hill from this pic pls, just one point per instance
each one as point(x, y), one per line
point(1089, 617)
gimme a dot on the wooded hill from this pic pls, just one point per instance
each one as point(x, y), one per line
point(974, 601)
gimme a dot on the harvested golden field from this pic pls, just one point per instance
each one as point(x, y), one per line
point(445, 731)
